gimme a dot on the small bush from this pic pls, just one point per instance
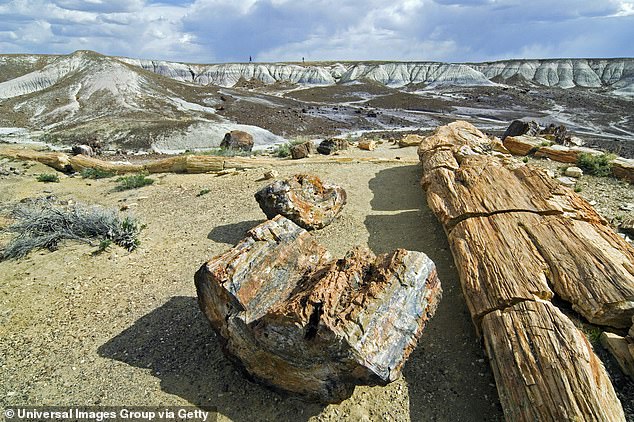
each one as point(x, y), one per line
point(45, 225)
point(90, 173)
point(578, 189)
point(48, 178)
point(593, 334)
point(597, 165)
point(203, 192)
point(133, 182)
point(284, 150)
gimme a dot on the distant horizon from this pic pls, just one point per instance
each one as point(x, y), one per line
point(279, 31)
point(329, 61)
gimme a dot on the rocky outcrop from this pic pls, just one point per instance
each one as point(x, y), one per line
point(518, 238)
point(302, 323)
point(518, 128)
point(304, 199)
point(237, 140)
point(410, 141)
point(615, 74)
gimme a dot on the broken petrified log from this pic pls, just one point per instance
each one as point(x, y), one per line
point(545, 368)
point(519, 238)
point(299, 322)
point(237, 140)
point(330, 146)
point(304, 199)
point(303, 150)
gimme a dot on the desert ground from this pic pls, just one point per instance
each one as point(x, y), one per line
point(124, 328)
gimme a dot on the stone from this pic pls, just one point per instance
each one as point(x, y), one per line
point(627, 226)
point(619, 348)
point(83, 149)
point(523, 145)
point(497, 146)
point(575, 172)
point(237, 140)
point(271, 174)
point(410, 141)
point(556, 133)
point(518, 128)
point(567, 181)
point(304, 199)
point(303, 150)
point(298, 321)
point(330, 146)
point(367, 145)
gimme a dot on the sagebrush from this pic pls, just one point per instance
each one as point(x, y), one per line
point(133, 182)
point(45, 225)
point(597, 165)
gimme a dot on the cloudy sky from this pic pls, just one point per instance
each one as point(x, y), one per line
point(211, 31)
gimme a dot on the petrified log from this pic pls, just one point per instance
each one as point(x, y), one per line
point(519, 238)
point(330, 146)
point(545, 368)
point(303, 150)
point(367, 144)
point(297, 321)
point(523, 145)
point(237, 140)
point(622, 348)
point(410, 140)
point(304, 199)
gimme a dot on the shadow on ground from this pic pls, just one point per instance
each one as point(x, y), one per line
point(232, 233)
point(186, 356)
point(447, 374)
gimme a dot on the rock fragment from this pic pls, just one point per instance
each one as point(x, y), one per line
point(237, 140)
point(303, 150)
point(575, 172)
point(296, 320)
point(304, 199)
point(330, 146)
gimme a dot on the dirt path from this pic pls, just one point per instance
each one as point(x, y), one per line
point(124, 328)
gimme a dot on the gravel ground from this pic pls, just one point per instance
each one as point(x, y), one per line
point(124, 328)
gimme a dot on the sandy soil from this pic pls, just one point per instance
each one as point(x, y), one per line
point(124, 328)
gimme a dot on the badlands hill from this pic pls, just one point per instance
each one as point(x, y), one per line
point(168, 107)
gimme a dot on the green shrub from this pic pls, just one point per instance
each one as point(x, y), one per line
point(226, 152)
point(283, 150)
point(203, 192)
point(578, 189)
point(46, 225)
point(90, 173)
point(48, 178)
point(597, 165)
point(133, 182)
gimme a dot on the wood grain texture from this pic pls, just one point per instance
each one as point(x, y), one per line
point(519, 239)
point(545, 368)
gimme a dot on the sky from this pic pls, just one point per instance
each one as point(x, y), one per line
point(217, 31)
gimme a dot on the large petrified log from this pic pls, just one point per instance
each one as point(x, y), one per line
point(300, 322)
point(304, 199)
point(519, 239)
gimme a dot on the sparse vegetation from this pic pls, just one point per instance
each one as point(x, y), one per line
point(578, 188)
point(525, 159)
point(91, 173)
point(48, 178)
point(597, 165)
point(133, 182)
point(45, 225)
point(203, 192)
point(225, 152)
point(593, 334)
point(284, 150)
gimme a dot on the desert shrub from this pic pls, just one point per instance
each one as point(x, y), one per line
point(133, 182)
point(284, 150)
point(597, 165)
point(203, 192)
point(45, 225)
point(89, 173)
point(48, 178)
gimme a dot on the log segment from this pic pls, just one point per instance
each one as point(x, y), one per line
point(518, 239)
point(298, 321)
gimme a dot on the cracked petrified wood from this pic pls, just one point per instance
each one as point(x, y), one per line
point(519, 239)
point(298, 321)
point(304, 199)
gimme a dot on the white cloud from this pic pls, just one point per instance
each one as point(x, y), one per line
point(229, 30)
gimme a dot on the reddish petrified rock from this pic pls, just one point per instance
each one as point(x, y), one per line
point(303, 150)
point(237, 140)
point(302, 323)
point(304, 199)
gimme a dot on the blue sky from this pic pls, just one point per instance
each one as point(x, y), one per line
point(212, 31)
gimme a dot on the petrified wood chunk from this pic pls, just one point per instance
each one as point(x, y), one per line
point(304, 199)
point(237, 140)
point(302, 323)
point(303, 150)
point(330, 146)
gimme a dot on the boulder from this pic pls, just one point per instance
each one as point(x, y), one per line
point(627, 226)
point(303, 150)
point(575, 172)
point(558, 134)
point(410, 141)
point(237, 140)
point(83, 150)
point(301, 322)
point(303, 199)
point(330, 146)
point(367, 145)
point(518, 128)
